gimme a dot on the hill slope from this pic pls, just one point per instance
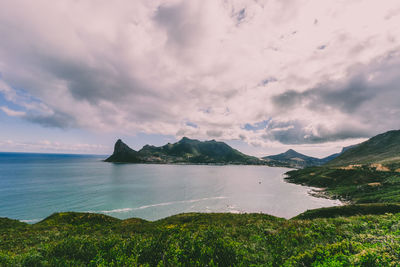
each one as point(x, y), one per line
point(381, 149)
point(365, 173)
point(185, 151)
point(292, 158)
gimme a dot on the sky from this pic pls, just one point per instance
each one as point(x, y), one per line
point(263, 76)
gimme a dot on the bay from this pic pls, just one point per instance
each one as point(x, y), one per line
point(33, 186)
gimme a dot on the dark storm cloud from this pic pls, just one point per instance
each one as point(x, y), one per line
point(91, 82)
point(380, 79)
point(181, 26)
point(346, 97)
point(57, 120)
point(368, 94)
point(295, 132)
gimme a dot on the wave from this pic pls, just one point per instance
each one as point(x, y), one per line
point(115, 211)
point(158, 205)
point(31, 220)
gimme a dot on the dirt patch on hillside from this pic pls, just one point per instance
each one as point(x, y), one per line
point(380, 167)
point(374, 184)
point(351, 167)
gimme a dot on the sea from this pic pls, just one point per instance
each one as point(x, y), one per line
point(33, 186)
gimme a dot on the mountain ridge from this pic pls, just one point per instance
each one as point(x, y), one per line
point(193, 151)
point(295, 159)
point(186, 150)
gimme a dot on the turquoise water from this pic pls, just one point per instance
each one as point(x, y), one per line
point(33, 186)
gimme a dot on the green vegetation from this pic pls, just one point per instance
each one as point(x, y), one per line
point(381, 149)
point(365, 173)
point(185, 151)
point(358, 185)
point(350, 210)
point(82, 239)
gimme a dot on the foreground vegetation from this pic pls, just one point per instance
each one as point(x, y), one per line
point(80, 239)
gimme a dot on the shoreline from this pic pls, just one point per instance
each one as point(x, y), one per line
point(195, 164)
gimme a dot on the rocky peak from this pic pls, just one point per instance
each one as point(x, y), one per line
point(185, 140)
point(121, 147)
point(291, 152)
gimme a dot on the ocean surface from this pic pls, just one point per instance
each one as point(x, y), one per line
point(33, 186)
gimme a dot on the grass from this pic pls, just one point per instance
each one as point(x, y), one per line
point(195, 239)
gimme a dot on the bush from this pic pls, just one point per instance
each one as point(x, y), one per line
point(209, 240)
point(76, 248)
point(32, 259)
point(5, 259)
point(350, 210)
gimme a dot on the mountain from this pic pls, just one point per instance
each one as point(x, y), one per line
point(184, 151)
point(382, 149)
point(123, 153)
point(294, 159)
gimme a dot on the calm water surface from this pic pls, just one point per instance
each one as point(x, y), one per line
point(33, 186)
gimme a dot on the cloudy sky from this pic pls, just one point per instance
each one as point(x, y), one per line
point(263, 76)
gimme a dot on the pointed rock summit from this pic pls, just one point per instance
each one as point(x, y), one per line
point(292, 153)
point(121, 147)
point(123, 153)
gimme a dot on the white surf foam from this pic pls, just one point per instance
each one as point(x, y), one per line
point(31, 221)
point(159, 205)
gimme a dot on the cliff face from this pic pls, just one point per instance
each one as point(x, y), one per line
point(121, 147)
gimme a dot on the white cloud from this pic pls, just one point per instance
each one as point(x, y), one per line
point(52, 146)
point(13, 113)
point(151, 66)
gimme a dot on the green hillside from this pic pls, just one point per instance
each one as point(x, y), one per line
point(216, 239)
point(360, 185)
point(382, 149)
point(185, 151)
point(365, 173)
point(350, 210)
